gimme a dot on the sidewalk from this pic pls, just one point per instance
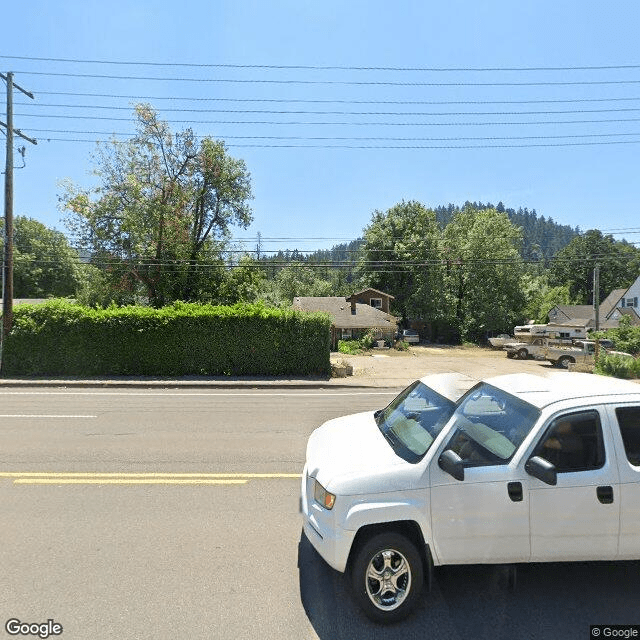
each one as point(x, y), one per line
point(377, 369)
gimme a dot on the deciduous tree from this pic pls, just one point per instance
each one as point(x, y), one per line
point(483, 269)
point(162, 210)
point(619, 264)
point(44, 264)
point(401, 256)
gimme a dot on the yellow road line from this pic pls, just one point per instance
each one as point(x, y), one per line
point(125, 481)
point(87, 477)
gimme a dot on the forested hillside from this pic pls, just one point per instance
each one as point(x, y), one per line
point(542, 237)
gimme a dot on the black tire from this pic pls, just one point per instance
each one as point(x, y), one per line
point(510, 354)
point(564, 362)
point(523, 354)
point(395, 594)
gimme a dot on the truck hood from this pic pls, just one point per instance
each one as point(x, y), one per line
point(349, 455)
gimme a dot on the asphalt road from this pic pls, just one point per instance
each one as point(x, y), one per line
point(133, 514)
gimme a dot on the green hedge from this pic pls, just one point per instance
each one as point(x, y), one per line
point(60, 338)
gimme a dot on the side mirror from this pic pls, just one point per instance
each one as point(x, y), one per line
point(542, 469)
point(377, 413)
point(450, 462)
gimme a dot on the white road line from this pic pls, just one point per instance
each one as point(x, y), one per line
point(210, 395)
point(143, 474)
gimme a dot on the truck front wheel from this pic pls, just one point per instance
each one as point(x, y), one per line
point(564, 361)
point(523, 354)
point(387, 576)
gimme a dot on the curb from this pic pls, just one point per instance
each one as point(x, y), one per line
point(192, 384)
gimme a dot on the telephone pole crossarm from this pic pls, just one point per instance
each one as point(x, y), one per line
point(5, 76)
point(20, 134)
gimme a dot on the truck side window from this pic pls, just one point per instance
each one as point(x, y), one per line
point(573, 442)
point(629, 421)
point(489, 426)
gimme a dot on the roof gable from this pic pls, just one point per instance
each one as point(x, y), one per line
point(611, 301)
point(371, 290)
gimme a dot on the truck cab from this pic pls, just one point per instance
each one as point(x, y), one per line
point(526, 469)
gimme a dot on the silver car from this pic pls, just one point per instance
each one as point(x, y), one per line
point(409, 335)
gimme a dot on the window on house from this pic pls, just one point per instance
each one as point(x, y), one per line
point(376, 303)
point(631, 302)
point(347, 333)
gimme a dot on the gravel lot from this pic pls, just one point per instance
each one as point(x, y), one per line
point(391, 368)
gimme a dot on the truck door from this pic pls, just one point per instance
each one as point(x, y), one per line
point(627, 441)
point(579, 517)
point(483, 517)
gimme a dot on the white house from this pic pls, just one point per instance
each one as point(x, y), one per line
point(627, 304)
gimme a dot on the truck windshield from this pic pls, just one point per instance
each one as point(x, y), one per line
point(413, 420)
point(490, 425)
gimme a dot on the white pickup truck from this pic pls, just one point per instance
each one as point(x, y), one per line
point(525, 350)
point(581, 352)
point(527, 469)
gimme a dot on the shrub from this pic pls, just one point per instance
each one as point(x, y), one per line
point(350, 347)
point(626, 337)
point(60, 338)
point(618, 366)
point(368, 340)
point(401, 345)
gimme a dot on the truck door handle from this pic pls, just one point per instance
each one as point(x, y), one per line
point(515, 491)
point(605, 495)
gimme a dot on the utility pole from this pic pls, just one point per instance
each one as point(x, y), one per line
point(7, 265)
point(596, 295)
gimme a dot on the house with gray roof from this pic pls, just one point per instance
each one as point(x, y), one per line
point(624, 302)
point(572, 315)
point(353, 316)
point(620, 302)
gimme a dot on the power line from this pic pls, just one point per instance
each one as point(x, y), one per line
point(361, 138)
point(405, 147)
point(349, 113)
point(389, 83)
point(399, 266)
point(334, 123)
point(333, 100)
point(323, 67)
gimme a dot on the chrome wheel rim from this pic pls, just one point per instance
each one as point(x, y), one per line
point(388, 579)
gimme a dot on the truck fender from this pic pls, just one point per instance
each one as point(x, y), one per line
point(368, 513)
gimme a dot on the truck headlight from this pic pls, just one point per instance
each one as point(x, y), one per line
point(323, 497)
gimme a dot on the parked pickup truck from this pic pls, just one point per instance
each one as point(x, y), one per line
point(525, 350)
point(527, 469)
point(582, 351)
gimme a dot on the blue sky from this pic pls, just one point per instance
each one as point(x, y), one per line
point(323, 183)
